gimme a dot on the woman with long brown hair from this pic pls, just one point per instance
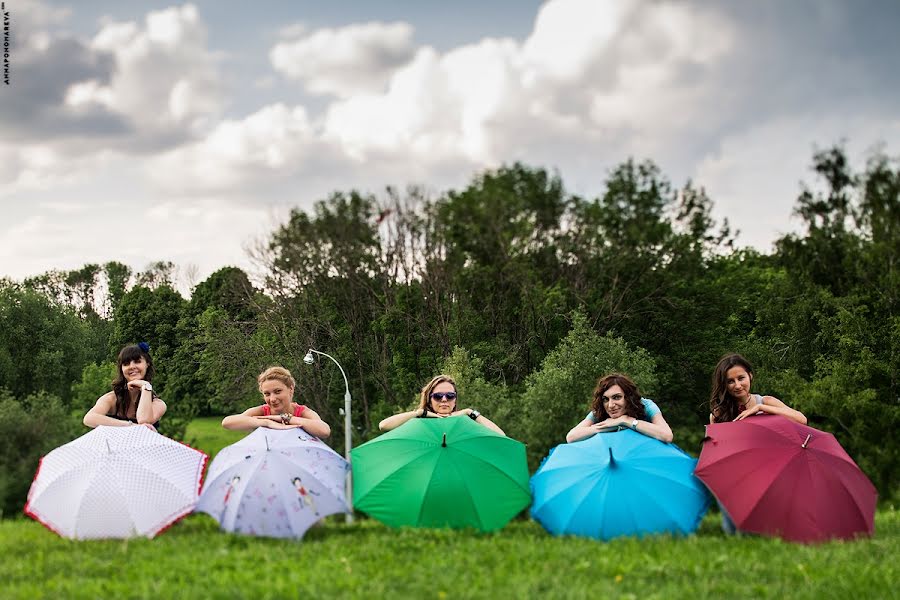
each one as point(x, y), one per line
point(731, 399)
point(618, 404)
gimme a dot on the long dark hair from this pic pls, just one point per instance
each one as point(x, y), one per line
point(633, 405)
point(120, 383)
point(722, 405)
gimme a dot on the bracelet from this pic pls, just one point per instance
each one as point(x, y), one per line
point(286, 418)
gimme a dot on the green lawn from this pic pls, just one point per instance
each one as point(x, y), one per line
point(206, 434)
point(194, 559)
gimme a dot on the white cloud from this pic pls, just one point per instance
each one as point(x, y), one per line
point(165, 77)
point(344, 61)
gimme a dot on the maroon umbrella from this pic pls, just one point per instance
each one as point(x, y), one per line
point(777, 477)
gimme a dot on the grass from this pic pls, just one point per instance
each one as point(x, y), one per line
point(366, 560)
point(207, 434)
point(194, 559)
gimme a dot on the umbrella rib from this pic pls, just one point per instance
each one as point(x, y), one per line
point(526, 488)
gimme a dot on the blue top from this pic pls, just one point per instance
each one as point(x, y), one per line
point(650, 408)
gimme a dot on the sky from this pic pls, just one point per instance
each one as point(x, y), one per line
point(157, 131)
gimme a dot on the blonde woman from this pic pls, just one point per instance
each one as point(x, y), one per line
point(438, 399)
point(278, 411)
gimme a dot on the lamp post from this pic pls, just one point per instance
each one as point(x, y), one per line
point(348, 439)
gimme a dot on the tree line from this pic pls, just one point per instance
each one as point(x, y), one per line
point(524, 292)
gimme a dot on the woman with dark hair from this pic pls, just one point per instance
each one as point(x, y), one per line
point(731, 399)
point(438, 400)
point(618, 404)
point(132, 400)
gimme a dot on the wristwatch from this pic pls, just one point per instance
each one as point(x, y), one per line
point(147, 387)
point(474, 415)
point(634, 424)
point(286, 418)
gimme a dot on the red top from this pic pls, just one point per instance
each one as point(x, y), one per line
point(298, 409)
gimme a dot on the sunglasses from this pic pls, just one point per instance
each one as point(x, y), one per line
point(613, 398)
point(439, 396)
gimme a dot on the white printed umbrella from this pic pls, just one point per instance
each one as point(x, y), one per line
point(275, 483)
point(116, 482)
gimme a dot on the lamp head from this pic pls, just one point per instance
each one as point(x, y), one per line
point(308, 359)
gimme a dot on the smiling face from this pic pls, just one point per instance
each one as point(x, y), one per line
point(614, 401)
point(441, 404)
point(277, 395)
point(134, 369)
point(737, 382)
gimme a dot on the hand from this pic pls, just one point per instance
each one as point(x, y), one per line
point(753, 410)
point(464, 411)
point(617, 422)
point(270, 417)
point(150, 427)
point(136, 383)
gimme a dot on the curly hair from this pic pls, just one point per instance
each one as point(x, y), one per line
point(425, 395)
point(633, 405)
point(722, 405)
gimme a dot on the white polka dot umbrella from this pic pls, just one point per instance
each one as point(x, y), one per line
point(116, 482)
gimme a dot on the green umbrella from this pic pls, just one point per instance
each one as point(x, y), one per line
point(448, 472)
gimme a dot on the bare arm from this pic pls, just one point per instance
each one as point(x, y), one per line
point(773, 406)
point(583, 430)
point(246, 421)
point(656, 428)
point(481, 420)
point(149, 409)
point(395, 421)
point(312, 423)
point(98, 414)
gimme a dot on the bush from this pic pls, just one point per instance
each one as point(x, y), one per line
point(29, 429)
point(96, 380)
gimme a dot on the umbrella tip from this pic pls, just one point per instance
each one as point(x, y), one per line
point(806, 442)
point(612, 461)
point(444, 442)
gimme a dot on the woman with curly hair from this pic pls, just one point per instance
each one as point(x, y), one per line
point(618, 404)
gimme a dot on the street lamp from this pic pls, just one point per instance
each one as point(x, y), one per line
point(348, 439)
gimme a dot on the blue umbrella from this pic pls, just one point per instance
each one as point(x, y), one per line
point(615, 484)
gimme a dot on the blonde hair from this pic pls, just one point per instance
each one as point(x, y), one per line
point(279, 373)
point(425, 396)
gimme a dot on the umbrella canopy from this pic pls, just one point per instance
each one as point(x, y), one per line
point(616, 484)
point(274, 483)
point(116, 482)
point(448, 472)
point(777, 477)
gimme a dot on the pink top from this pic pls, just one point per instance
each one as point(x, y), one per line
point(298, 409)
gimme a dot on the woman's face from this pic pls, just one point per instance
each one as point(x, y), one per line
point(135, 369)
point(277, 395)
point(737, 382)
point(614, 401)
point(440, 402)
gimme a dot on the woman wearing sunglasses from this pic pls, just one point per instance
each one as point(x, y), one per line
point(618, 404)
point(438, 400)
